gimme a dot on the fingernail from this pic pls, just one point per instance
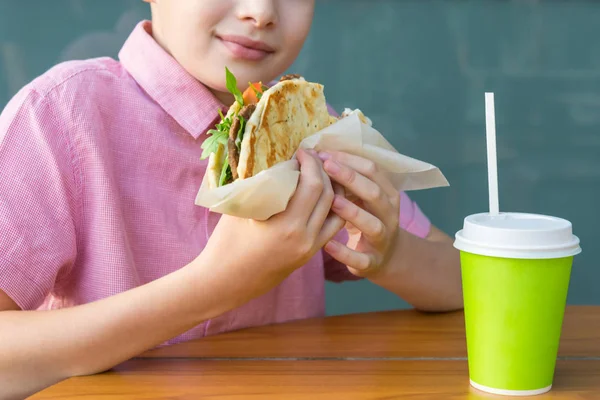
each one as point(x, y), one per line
point(332, 167)
point(311, 151)
point(324, 156)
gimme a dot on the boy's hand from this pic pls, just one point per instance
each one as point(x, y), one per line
point(260, 254)
point(371, 210)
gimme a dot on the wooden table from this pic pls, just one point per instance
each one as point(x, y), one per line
point(386, 355)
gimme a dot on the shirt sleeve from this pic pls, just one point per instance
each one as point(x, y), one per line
point(37, 200)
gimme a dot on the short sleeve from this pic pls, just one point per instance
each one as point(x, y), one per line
point(37, 200)
point(412, 220)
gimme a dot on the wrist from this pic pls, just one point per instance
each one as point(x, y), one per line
point(393, 263)
point(223, 283)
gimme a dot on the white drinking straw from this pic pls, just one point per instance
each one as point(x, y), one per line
point(490, 128)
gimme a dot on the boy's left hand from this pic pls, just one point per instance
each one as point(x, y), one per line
point(371, 209)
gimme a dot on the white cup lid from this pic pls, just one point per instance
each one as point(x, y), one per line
point(516, 235)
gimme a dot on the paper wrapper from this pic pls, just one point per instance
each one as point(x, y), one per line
point(269, 192)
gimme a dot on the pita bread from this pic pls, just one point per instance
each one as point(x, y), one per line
point(215, 163)
point(287, 113)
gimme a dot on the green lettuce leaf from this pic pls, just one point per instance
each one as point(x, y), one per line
point(231, 83)
point(216, 136)
point(211, 144)
point(240, 135)
point(225, 174)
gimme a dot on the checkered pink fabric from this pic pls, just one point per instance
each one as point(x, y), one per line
point(99, 168)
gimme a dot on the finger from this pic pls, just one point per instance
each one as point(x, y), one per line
point(369, 225)
point(333, 224)
point(359, 263)
point(372, 195)
point(364, 166)
point(323, 206)
point(310, 186)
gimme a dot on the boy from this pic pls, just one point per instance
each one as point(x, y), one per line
point(99, 167)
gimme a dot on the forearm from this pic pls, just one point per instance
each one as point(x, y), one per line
point(424, 273)
point(41, 348)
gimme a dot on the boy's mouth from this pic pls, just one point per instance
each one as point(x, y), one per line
point(245, 48)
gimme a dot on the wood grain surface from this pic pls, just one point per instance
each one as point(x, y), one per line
point(388, 355)
point(306, 380)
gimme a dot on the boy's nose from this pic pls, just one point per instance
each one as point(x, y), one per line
point(262, 13)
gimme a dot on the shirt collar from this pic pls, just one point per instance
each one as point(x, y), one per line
point(182, 96)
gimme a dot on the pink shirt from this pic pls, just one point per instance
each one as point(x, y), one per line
point(99, 168)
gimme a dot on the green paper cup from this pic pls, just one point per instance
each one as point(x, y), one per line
point(515, 273)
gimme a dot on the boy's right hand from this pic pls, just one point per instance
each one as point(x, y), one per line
point(258, 255)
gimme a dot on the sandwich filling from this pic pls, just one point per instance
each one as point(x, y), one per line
point(230, 131)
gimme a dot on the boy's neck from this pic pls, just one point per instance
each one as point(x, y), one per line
point(224, 97)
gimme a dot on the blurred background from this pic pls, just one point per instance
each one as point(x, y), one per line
point(419, 70)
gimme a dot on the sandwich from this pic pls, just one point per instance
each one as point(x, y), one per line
point(263, 127)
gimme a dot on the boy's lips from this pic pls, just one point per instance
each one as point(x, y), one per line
point(245, 48)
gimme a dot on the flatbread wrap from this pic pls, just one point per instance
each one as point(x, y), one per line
point(263, 127)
